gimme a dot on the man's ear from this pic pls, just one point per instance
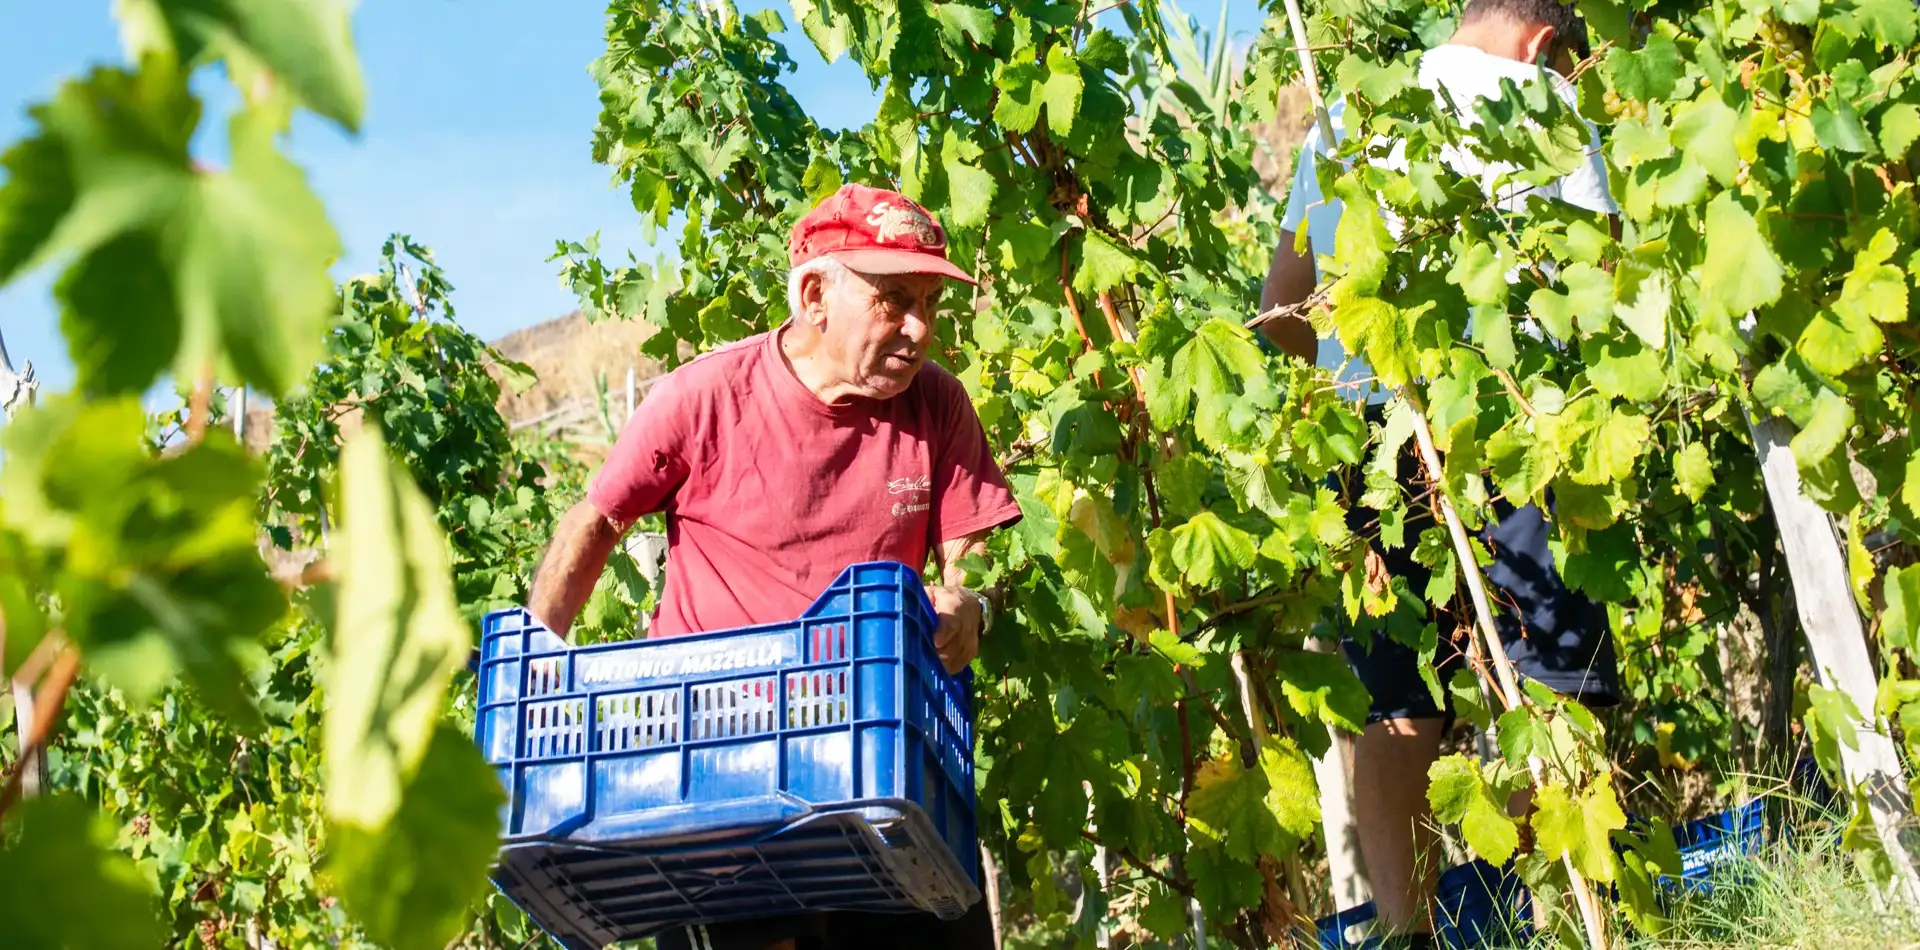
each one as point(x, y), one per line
point(813, 302)
point(1538, 44)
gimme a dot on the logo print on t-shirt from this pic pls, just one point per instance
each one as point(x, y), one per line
point(912, 488)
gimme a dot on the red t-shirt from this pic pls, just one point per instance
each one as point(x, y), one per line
point(770, 493)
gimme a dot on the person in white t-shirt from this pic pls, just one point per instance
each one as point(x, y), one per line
point(1554, 634)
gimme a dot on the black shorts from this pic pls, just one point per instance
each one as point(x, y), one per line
point(840, 931)
point(1553, 634)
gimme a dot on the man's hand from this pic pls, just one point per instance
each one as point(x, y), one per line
point(957, 638)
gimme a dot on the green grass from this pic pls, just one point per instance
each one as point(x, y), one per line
point(1807, 893)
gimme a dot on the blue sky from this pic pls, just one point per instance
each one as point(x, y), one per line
point(476, 142)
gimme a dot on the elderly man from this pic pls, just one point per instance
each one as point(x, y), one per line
point(783, 458)
point(1554, 634)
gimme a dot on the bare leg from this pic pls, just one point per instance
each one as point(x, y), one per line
point(1397, 840)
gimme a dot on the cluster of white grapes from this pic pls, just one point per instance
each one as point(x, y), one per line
point(1620, 107)
point(1788, 44)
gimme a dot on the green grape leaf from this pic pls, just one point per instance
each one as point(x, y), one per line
point(961, 23)
point(1481, 273)
point(1860, 569)
point(64, 884)
point(410, 884)
point(1103, 51)
point(1165, 915)
point(397, 642)
point(1836, 341)
point(1669, 183)
point(1103, 264)
point(162, 575)
point(1609, 452)
point(1787, 388)
point(1209, 552)
point(821, 179)
point(37, 192)
point(1063, 89)
point(1018, 108)
point(1707, 130)
point(1579, 827)
point(831, 36)
point(1212, 366)
point(1825, 432)
point(1183, 480)
point(1588, 299)
point(1627, 370)
point(1838, 127)
point(1693, 471)
point(1382, 333)
point(1899, 127)
point(1361, 243)
point(308, 44)
point(1377, 81)
point(970, 189)
point(1832, 721)
point(1458, 793)
point(1223, 885)
point(1468, 702)
point(1606, 567)
point(1645, 860)
point(1910, 485)
point(1649, 72)
point(1492, 331)
point(1890, 22)
point(1521, 733)
point(1020, 242)
point(1741, 271)
point(225, 269)
point(1874, 289)
point(1321, 686)
point(1263, 811)
point(1644, 299)
point(1637, 141)
point(1861, 839)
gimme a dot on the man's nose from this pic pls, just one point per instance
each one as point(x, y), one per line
point(918, 326)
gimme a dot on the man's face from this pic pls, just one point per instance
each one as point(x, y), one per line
point(878, 328)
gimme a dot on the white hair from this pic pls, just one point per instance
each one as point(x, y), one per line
point(831, 272)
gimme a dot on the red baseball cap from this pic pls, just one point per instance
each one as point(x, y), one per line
point(874, 231)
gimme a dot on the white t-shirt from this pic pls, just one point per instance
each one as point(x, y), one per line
point(1467, 73)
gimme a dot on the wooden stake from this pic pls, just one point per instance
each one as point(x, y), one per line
point(1837, 647)
point(1511, 696)
point(200, 405)
point(42, 710)
point(33, 761)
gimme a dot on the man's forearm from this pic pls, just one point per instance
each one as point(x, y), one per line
point(951, 553)
point(582, 542)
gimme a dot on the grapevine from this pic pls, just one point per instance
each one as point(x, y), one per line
point(276, 748)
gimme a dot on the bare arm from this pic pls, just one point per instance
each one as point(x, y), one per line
point(1290, 280)
point(582, 542)
point(950, 553)
point(957, 638)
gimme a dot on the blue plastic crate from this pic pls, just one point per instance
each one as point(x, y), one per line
point(1709, 845)
point(825, 763)
point(1475, 901)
